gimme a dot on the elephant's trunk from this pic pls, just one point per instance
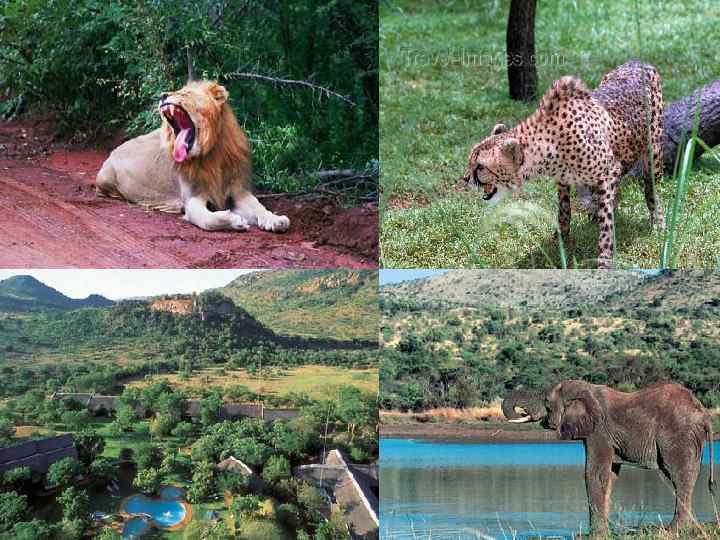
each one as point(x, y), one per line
point(530, 401)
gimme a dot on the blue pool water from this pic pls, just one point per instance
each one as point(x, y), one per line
point(438, 491)
point(135, 528)
point(164, 513)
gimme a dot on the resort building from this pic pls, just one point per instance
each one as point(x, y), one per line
point(234, 465)
point(352, 487)
point(37, 455)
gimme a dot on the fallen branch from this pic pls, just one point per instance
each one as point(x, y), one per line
point(276, 80)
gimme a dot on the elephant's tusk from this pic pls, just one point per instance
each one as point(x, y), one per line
point(521, 420)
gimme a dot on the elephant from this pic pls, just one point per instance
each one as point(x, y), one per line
point(662, 426)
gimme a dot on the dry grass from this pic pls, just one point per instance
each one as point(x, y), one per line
point(319, 382)
point(22, 432)
point(492, 412)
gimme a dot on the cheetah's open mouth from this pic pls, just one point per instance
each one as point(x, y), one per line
point(182, 126)
point(490, 191)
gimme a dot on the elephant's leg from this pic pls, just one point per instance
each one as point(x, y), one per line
point(600, 474)
point(681, 465)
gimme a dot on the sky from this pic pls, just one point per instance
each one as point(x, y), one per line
point(118, 284)
point(395, 276)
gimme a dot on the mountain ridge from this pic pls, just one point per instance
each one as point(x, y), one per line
point(23, 292)
point(324, 304)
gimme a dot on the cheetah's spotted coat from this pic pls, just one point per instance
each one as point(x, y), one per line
point(581, 137)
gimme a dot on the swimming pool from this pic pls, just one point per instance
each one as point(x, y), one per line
point(135, 527)
point(167, 511)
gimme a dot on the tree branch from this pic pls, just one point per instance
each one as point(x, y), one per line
point(191, 75)
point(12, 60)
point(276, 80)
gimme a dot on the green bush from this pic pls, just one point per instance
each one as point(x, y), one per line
point(100, 65)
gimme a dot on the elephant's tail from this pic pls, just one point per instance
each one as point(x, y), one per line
point(709, 434)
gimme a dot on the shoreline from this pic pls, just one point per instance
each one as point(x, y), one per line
point(459, 433)
point(466, 433)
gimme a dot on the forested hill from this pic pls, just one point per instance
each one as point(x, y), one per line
point(325, 304)
point(140, 330)
point(666, 327)
point(679, 290)
point(25, 293)
point(541, 288)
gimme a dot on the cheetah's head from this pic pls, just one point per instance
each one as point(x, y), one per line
point(494, 163)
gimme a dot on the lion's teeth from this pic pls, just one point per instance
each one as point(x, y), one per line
point(172, 110)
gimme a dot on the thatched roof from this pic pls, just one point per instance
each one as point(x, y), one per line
point(37, 455)
point(193, 408)
point(233, 464)
point(280, 414)
point(231, 411)
point(354, 488)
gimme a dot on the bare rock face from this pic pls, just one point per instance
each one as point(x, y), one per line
point(179, 305)
point(678, 118)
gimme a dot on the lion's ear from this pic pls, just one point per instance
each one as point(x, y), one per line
point(219, 93)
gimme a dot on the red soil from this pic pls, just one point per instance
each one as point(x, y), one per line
point(51, 217)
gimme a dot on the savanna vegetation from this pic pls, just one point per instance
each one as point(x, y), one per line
point(440, 355)
point(155, 361)
point(445, 85)
point(302, 77)
point(98, 350)
point(313, 303)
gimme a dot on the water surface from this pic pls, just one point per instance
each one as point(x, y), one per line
point(461, 491)
point(164, 512)
point(135, 528)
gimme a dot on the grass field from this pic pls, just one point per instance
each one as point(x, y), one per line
point(444, 86)
point(319, 382)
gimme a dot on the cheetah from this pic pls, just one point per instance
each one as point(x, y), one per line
point(583, 138)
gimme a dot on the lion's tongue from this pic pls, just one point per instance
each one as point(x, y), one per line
point(181, 145)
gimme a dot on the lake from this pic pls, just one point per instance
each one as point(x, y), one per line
point(460, 491)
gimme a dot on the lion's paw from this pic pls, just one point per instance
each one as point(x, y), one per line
point(239, 223)
point(274, 223)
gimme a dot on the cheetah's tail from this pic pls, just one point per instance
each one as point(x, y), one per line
point(565, 88)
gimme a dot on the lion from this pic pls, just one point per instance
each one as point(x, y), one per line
point(198, 162)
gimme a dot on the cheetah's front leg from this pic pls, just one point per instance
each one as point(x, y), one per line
point(564, 214)
point(606, 220)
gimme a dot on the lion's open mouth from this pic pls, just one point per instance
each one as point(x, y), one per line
point(184, 129)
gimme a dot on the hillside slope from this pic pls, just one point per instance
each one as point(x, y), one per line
point(539, 288)
point(25, 293)
point(664, 327)
point(326, 304)
point(672, 290)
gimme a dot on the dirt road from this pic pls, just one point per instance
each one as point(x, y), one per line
point(50, 217)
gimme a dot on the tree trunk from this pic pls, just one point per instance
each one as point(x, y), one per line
point(678, 119)
point(522, 72)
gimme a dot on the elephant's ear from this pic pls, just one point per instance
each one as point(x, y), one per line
point(580, 417)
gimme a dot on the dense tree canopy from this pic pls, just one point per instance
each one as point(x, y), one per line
point(460, 357)
point(100, 65)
